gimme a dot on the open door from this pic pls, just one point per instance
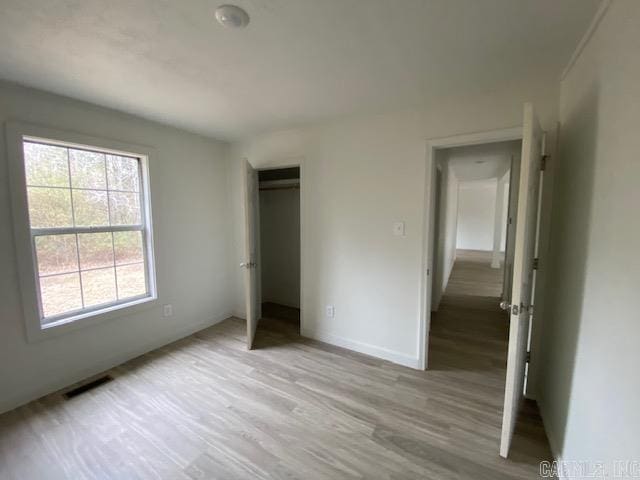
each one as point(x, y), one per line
point(250, 183)
point(525, 249)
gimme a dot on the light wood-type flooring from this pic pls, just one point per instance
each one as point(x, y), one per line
point(204, 407)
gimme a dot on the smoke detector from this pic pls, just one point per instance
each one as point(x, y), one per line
point(232, 16)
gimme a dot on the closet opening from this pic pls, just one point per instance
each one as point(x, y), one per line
point(279, 249)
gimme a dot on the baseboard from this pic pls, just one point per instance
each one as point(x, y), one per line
point(361, 347)
point(105, 364)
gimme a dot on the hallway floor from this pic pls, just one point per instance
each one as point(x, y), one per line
point(469, 339)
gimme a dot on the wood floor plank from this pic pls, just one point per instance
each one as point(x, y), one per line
point(205, 408)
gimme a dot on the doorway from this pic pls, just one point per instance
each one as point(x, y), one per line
point(279, 249)
point(473, 307)
point(474, 213)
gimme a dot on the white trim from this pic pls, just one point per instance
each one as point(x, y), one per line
point(36, 232)
point(82, 373)
point(475, 138)
point(593, 26)
point(361, 347)
point(16, 133)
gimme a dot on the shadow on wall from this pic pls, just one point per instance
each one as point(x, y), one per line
point(568, 258)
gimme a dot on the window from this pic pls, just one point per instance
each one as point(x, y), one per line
point(88, 220)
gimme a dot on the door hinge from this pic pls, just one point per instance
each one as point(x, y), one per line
point(543, 162)
point(536, 263)
point(528, 359)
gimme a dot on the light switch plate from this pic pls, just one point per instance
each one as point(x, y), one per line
point(398, 229)
point(167, 310)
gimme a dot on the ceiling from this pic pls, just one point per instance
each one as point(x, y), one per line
point(298, 61)
point(482, 162)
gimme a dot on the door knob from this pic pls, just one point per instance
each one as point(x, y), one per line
point(515, 309)
point(247, 265)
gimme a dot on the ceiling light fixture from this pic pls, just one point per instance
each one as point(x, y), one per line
point(232, 16)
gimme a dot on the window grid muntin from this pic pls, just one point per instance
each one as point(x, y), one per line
point(73, 221)
point(113, 243)
point(76, 231)
point(91, 269)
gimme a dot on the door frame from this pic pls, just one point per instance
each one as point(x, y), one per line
point(427, 267)
point(295, 162)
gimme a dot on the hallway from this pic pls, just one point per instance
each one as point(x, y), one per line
point(469, 331)
point(468, 343)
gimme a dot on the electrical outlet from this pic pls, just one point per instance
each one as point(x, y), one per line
point(167, 310)
point(331, 311)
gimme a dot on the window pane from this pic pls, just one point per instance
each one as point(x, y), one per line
point(122, 173)
point(125, 208)
point(90, 208)
point(46, 166)
point(96, 250)
point(49, 207)
point(99, 286)
point(60, 294)
point(128, 246)
point(56, 254)
point(87, 169)
point(131, 281)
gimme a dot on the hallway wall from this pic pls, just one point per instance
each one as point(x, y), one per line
point(448, 230)
point(476, 214)
point(589, 385)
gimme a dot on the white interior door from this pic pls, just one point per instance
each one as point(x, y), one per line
point(250, 177)
point(525, 248)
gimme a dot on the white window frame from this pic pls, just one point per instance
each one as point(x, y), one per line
point(16, 134)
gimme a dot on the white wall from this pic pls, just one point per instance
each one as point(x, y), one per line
point(476, 214)
point(589, 387)
point(450, 225)
point(359, 176)
point(445, 253)
point(280, 246)
point(500, 221)
point(505, 214)
point(192, 230)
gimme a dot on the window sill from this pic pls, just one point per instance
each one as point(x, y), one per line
point(36, 333)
